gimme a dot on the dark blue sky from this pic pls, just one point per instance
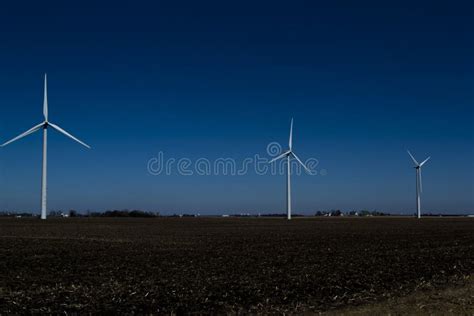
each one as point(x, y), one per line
point(364, 81)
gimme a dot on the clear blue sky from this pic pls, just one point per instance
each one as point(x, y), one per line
point(364, 81)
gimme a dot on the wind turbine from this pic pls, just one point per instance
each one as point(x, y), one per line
point(44, 126)
point(288, 155)
point(419, 184)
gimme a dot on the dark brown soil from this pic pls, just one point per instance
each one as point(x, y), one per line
point(217, 265)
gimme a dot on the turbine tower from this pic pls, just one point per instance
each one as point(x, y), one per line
point(419, 184)
point(44, 126)
point(288, 155)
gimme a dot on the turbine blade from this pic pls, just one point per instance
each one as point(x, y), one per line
point(290, 142)
point(413, 158)
point(28, 132)
point(59, 129)
point(279, 157)
point(45, 99)
point(301, 163)
point(424, 161)
point(421, 183)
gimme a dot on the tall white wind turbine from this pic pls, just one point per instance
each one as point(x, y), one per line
point(288, 155)
point(44, 126)
point(419, 183)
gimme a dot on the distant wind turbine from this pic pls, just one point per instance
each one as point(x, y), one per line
point(44, 125)
point(419, 183)
point(288, 154)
